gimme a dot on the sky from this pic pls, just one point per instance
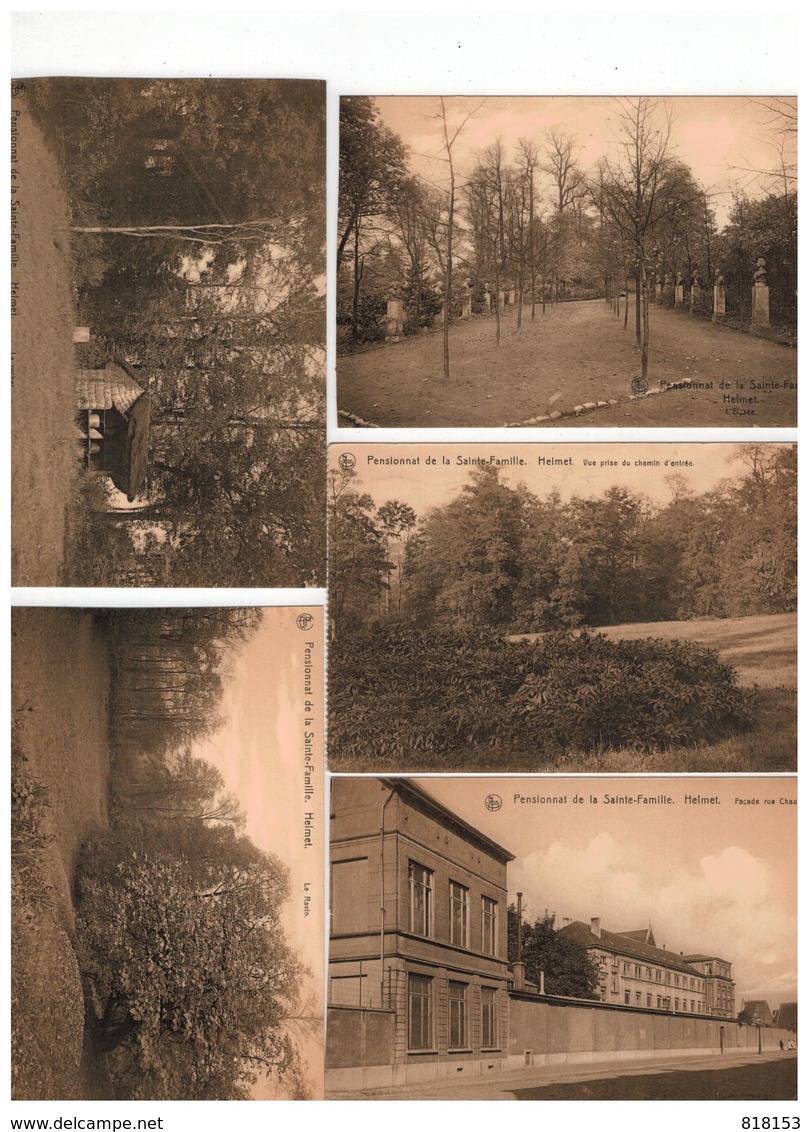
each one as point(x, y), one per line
point(721, 139)
point(424, 485)
point(260, 753)
point(719, 878)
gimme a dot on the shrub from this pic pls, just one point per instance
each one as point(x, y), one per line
point(399, 693)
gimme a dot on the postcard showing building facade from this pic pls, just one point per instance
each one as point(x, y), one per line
point(602, 608)
point(167, 854)
point(563, 939)
point(168, 332)
point(564, 261)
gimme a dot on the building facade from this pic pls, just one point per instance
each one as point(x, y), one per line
point(418, 933)
point(636, 972)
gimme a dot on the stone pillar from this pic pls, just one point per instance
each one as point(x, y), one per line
point(81, 333)
point(487, 301)
point(658, 291)
point(519, 975)
point(696, 291)
point(501, 299)
point(719, 309)
point(678, 290)
point(512, 296)
point(394, 327)
point(761, 295)
point(466, 308)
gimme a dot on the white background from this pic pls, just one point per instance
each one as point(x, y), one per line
point(418, 51)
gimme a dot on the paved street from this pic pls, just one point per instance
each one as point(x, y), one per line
point(768, 1076)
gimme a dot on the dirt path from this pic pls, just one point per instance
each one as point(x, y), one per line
point(576, 354)
point(43, 451)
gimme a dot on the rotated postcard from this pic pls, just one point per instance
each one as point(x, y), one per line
point(168, 332)
point(167, 853)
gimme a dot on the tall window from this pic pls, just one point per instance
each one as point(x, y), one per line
point(488, 1018)
point(421, 905)
point(458, 914)
point(457, 1015)
point(489, 926)
point(419, 1012)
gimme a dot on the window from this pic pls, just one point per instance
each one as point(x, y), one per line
point(676, 1004)
point(489, 926)
point(676, 980)
point(488, 1017)
point(637, 998)
point(648, 972)
point(659, 976)
point(692, 1006)
point(458, 914)
point(637, 970)
point(658, 1002)
point(648, 1000)
point(457, 1015)
point(421, 891)
point(614, 984)
point(626, 968)
point(626, 997)
point(419, 1012)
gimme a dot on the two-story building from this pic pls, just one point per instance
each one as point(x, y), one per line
point(418, 970)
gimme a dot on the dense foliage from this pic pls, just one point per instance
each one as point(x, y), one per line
point(567, 968)
point(501, 557)
point(181, 941)
point(401, 694)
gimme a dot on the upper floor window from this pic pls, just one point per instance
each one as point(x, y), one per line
point(488, 942)
point(458, 914)
point(421, 904)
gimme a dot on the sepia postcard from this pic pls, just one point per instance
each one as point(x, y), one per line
point(567, 262)
point(600, 608)
point(563, 939)
point(168, 332)
point(167, 880)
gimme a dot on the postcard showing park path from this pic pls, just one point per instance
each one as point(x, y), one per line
point(602, 608)
point(563, 938)
point(567, 261)
point(167, 881)
point(168, 332)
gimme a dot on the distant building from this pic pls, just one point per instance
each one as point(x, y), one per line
point(719, 986)
point(786, 1016)
point(636, 972)
point(759, 1011)
point(114, 412)
point(418, 932)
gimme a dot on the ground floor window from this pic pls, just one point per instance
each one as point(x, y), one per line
point(419, 1012)
point(488, 1018)
point(457, 1015)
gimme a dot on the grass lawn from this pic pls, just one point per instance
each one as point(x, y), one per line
point(59, 709)
point(577, 353)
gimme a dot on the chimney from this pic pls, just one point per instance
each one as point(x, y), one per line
point(595, 926)
point(565, 921)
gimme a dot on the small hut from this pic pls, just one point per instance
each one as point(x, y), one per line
point(114, 418)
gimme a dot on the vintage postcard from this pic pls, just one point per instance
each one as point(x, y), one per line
point(168, 332)
point(563, 939)
point(167, 887)
point(567, 261)
point(604, 607)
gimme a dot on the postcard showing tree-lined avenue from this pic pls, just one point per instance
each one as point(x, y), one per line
point(167, 882)
point(168, 332)
point(603, 608)
point(567, 262)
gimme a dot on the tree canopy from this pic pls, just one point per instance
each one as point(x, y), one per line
point(566, 965)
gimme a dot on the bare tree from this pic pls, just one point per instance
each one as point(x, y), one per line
point(561, 164)
point(634, 192)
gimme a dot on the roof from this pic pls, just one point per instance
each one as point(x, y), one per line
point(705, 959)
point(626, 943)
point(449, 819)
point(645, 935)
point(115, 387)
point(788, 1015)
